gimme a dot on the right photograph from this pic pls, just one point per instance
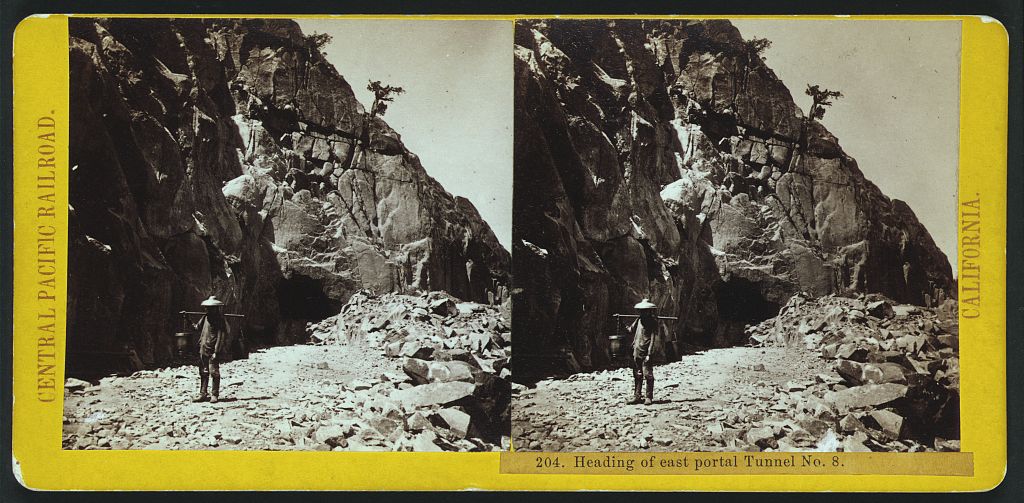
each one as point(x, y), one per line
point(735, 235)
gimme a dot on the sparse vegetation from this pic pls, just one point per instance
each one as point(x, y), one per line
point(756, 46)
point(382, 95)
point(317, 41)
point(822, 98)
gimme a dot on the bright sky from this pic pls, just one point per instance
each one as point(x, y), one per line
point(899, 115)
point(456, 113)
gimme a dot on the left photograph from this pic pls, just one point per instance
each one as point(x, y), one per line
point(289, 235)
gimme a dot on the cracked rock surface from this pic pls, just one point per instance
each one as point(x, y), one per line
point(228, 157)
point(661, 159)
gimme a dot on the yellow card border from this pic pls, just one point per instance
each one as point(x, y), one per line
point(41, 90)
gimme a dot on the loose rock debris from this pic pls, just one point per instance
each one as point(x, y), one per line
point(391, 372)
point(831, 374)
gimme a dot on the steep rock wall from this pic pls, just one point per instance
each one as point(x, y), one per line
point(662, 159)
point(228, 158)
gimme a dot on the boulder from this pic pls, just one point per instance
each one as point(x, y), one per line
point(879, 373)
point(888, 422)
point(416, 350)
point(456, 421)
point(417, 422)
point(852, 351)
point(949, 341)
point(332, 435)
point(851, 371)
point(468, 308)
point(855, 443)
point(762, 437)
point(72, 384)
point(450, 371)
point(444, 307)
point(417, 370)
point(433, 394)
point(904, 310)
point(816, 427)
point(385, 426)
point(425, 442)
point(868, 395)
point(849, 424)
point(393, 349)
point(479, 341)
point(880, 309)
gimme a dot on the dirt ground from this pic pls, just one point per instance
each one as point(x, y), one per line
point(697, 402)
point(396, 372)
point(268, 401)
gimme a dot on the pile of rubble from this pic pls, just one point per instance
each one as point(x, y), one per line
point(455, 357)
point(441, 387)
point(304, 397)
point(896, 385)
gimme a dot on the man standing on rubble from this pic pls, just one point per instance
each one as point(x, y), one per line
point(213, 342)
point(644, 331)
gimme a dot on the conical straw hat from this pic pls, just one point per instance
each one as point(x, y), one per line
point(212, 301)
point(645, 304)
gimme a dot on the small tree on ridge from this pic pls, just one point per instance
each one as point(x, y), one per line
point(318, 40)
point(821, 98)
point(382, 95)
point(757, 46)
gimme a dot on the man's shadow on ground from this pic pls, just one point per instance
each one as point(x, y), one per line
point(229, 399)
point(663, 401)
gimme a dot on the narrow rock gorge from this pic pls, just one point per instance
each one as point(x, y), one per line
point(229, 158)
point(664, 159)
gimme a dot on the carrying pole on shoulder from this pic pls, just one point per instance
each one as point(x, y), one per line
point(676, 318)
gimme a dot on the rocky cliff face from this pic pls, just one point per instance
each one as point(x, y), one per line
point(228, 157)
point(663, 159)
